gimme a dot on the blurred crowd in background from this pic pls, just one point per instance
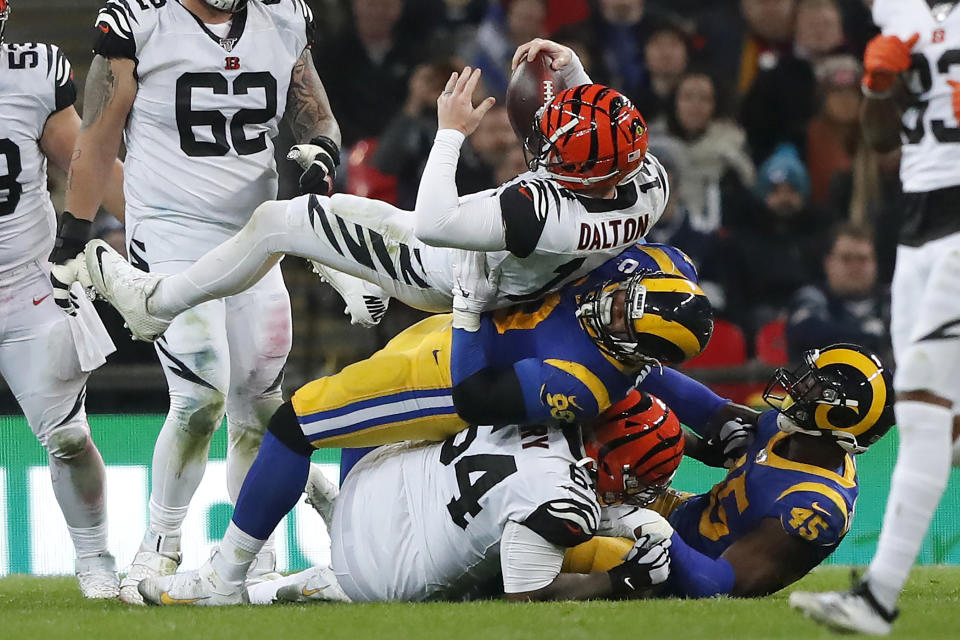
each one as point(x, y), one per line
point(752, 106)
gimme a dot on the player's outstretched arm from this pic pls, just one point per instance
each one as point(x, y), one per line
point(886, 57)
point(313, 124)
point(58, 142)
point(562, 59)
point(880, 123)
point(110, 91)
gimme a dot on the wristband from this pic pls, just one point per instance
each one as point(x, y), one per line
point(466, 320)
point(72, 236)
point(327, 144)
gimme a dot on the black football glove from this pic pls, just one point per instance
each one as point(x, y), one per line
point(732, 430)
point(66, 259)
point(645, 565)
point(319, 160)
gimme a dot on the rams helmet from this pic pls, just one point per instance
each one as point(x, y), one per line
point(667, 318)
point(588, 137)
point(4, 14)
point(842, 391)
point(637, 445)
point(230, 6)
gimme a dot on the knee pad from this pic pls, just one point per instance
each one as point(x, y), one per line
point(68, 440)
point(200, 413)
point(286, 428)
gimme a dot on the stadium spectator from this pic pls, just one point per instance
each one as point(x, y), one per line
point(406, 142)
point(365, 71)
point(782, 99)
point(713, 148)
point(850, 306)
point(774, 248)
point(619, 30)
point(489, 144)
point(506, 25)
point(666, 54)
point(833, 136)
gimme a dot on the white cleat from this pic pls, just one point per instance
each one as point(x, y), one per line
point(366, 302)
point(150, 564)
point(97, 577)
point(200, 588)
point(321, 494)
point(126, 288)
point(317, 584)
point(855, 610)
point(264, 566)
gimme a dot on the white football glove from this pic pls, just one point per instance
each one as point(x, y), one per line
point(645, 565)
point(474, 289)
point(62, 276)
point(625, 521)
point(318, 159)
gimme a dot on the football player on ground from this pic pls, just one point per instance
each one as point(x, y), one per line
point(47, 351)
point(539, 364)
point(921, 43)
point(582, 205)
point(788, 502)
point(197, 89)
point(485, 501)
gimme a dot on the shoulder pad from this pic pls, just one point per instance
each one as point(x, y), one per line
point(295, 15)
point(525, 206)
point(50, 72)
point(118, 24)
point(815, 512)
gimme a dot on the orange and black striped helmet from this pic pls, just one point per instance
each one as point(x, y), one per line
point(4, 14)
point(588, 137)
point(637, 445)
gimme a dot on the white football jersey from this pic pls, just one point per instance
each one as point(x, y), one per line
point(199, 137)
point(35, 82)
point(425, 522)
point(555, 236)
point(931, 135)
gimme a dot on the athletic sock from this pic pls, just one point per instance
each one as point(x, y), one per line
point(271, 489)
point(89, 541)
point(166, 520)
point(918, 482)
point(235, 554)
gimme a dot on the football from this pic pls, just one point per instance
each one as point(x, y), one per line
point(532, 85)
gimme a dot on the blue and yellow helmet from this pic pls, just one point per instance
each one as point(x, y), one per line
point(843, 391)
point(667, 318)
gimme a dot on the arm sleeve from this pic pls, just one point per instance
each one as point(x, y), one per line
point(440, 218)
point(528, 560)
point(552, 392)
point(64, 90)
point(695, 575)
point(574, 74)
point(692, 401)
point(114, 32)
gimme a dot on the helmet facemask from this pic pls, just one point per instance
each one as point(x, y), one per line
point(596, 315)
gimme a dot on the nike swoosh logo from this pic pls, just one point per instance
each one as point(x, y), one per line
point(626, 581)
point(436, 358)
point(104, 28)
point(308, 592)
point(37, 301)
point(99, 254)
point(166, 598)
point(817, 506)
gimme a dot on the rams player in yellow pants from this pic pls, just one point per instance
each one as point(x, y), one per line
point(789, 501)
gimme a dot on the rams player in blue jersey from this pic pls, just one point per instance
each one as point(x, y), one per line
point(789, 501)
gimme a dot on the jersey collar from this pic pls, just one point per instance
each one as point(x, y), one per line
point(626, 197)
point(233, 36)
point(848, 479)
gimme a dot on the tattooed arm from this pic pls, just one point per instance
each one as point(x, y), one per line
point(110, 90)
point(308, 108)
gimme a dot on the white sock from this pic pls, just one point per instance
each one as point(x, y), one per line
point(918, 482)
point(166, 520)
point(235, 554)
point(89, 541)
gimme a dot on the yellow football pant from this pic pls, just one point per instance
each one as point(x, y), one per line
point(402, 392)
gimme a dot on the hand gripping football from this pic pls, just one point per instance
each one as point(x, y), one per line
point(532, 85)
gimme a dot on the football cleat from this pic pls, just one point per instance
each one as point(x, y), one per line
point(366, 302)
point(264, 566)
point(202, 588)
point(321, 494)
point(855, 610)
point(126, 288)
point(159, 555)
point(317, 584)
point(97, 576)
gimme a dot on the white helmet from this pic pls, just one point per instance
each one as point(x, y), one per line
point(230, 6)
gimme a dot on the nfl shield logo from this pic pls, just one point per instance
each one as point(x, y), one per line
point(227, 44)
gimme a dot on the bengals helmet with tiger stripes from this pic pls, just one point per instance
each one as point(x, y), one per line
point(588, 137)
point(4, 15)
point(637, 445)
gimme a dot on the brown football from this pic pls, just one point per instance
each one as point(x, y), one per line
point(532, 85)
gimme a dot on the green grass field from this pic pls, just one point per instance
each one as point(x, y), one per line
point(44, 608)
